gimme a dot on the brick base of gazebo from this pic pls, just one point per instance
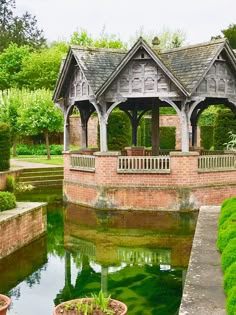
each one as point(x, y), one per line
point(181, 181)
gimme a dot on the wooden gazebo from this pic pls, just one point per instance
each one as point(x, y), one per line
point(145, 78)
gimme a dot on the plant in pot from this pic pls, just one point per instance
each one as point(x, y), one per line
point(95, 305)
point(5, 301)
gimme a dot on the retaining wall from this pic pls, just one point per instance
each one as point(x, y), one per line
point(20, 226)
point(184, 187)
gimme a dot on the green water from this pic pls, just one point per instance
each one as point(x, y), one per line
point(136, 256)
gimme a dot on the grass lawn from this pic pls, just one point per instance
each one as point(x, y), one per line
point(55, 159)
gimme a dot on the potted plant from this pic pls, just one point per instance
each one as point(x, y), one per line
point(5, 301)
point(95, 305)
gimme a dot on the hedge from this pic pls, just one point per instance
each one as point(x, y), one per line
point(38, 149)
point(7, 200)
point(225, 121)
point(118, 131)
point(5, 145)
point(228, 256)
point(231, 302)
point(206, 137)
point(228, 207)
point(167, 135)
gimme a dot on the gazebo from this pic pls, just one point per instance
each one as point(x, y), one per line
point(145, 78)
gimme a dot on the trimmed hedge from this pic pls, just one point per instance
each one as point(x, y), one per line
point(230, 278)
point(225, 121)
point(5, 145)
point(224, 236)
point(7, 200)
point(228, 207)
point(206, 137)
point(118, 131)
point(39, 149)
point(228, 256)
point(231, 302)
point(167, 135)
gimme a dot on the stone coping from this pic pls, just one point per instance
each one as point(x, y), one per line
point(22, 208)
point(203, 290)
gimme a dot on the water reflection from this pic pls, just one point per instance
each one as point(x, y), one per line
point(137, 257)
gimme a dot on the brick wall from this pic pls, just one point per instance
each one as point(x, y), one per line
point(184, 188)
point(20, 226)
point(3, 177)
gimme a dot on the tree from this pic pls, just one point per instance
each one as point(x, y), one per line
point(230, 34)
point(21, 30)
point(40, 69)
point(10, 103)
point(10, 64)
point(105, 40)
point(39, 115)
point(168, 38)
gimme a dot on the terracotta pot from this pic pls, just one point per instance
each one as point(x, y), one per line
point(3, 309)
point(57, 312)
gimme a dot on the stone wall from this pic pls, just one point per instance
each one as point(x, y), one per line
point(183, 188)
point(75, 130)
point(20, 226)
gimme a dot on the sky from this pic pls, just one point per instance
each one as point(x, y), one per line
point(199, 20)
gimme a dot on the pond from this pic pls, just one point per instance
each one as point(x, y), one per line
point(139, 257)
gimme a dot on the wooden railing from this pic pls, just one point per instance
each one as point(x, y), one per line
point(217, 162)
point(83, 162)
point(143, 164)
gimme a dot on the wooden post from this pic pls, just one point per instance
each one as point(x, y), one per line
point(84, 135)
point(66, 137)
point(155, 129)
point(103, 134)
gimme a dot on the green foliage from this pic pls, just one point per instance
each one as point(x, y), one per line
point(225, 121)
point(21, 30)
point(39, 149)
point(105, 40)
point(207, 137)
point(167, 137)
point(231, 301)
point(228, 207)
point(230, 34)
point(119, 131)
point(40, 69)
point(229, 254)
point(224, 236)
point(230, 278)
point(168, 38)
point(10, 183)
point(7, 200)
point(231, 145)
point(11, 64)
point(4, 147)
point(207, 117)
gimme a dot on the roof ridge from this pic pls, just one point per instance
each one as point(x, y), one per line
point(192, 46)
point(98, 49)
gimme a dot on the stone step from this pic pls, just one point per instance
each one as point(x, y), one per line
point(33, 178)
point(48, 183)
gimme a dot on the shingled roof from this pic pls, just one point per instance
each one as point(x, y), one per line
point(190, 63)
point(97, 64)
point(186, 66)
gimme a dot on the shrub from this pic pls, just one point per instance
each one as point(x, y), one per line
point(10, 183)
point(231, 302)
point(5, 145)
point(230, 278)
point(119, 131)
point(7, 200)
point(207, 137)
point(225, 121)
point(230, 221)
point(39, 149)
point(224, 236)
point(228, 207)
point(167, 138)
point(229, 254)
